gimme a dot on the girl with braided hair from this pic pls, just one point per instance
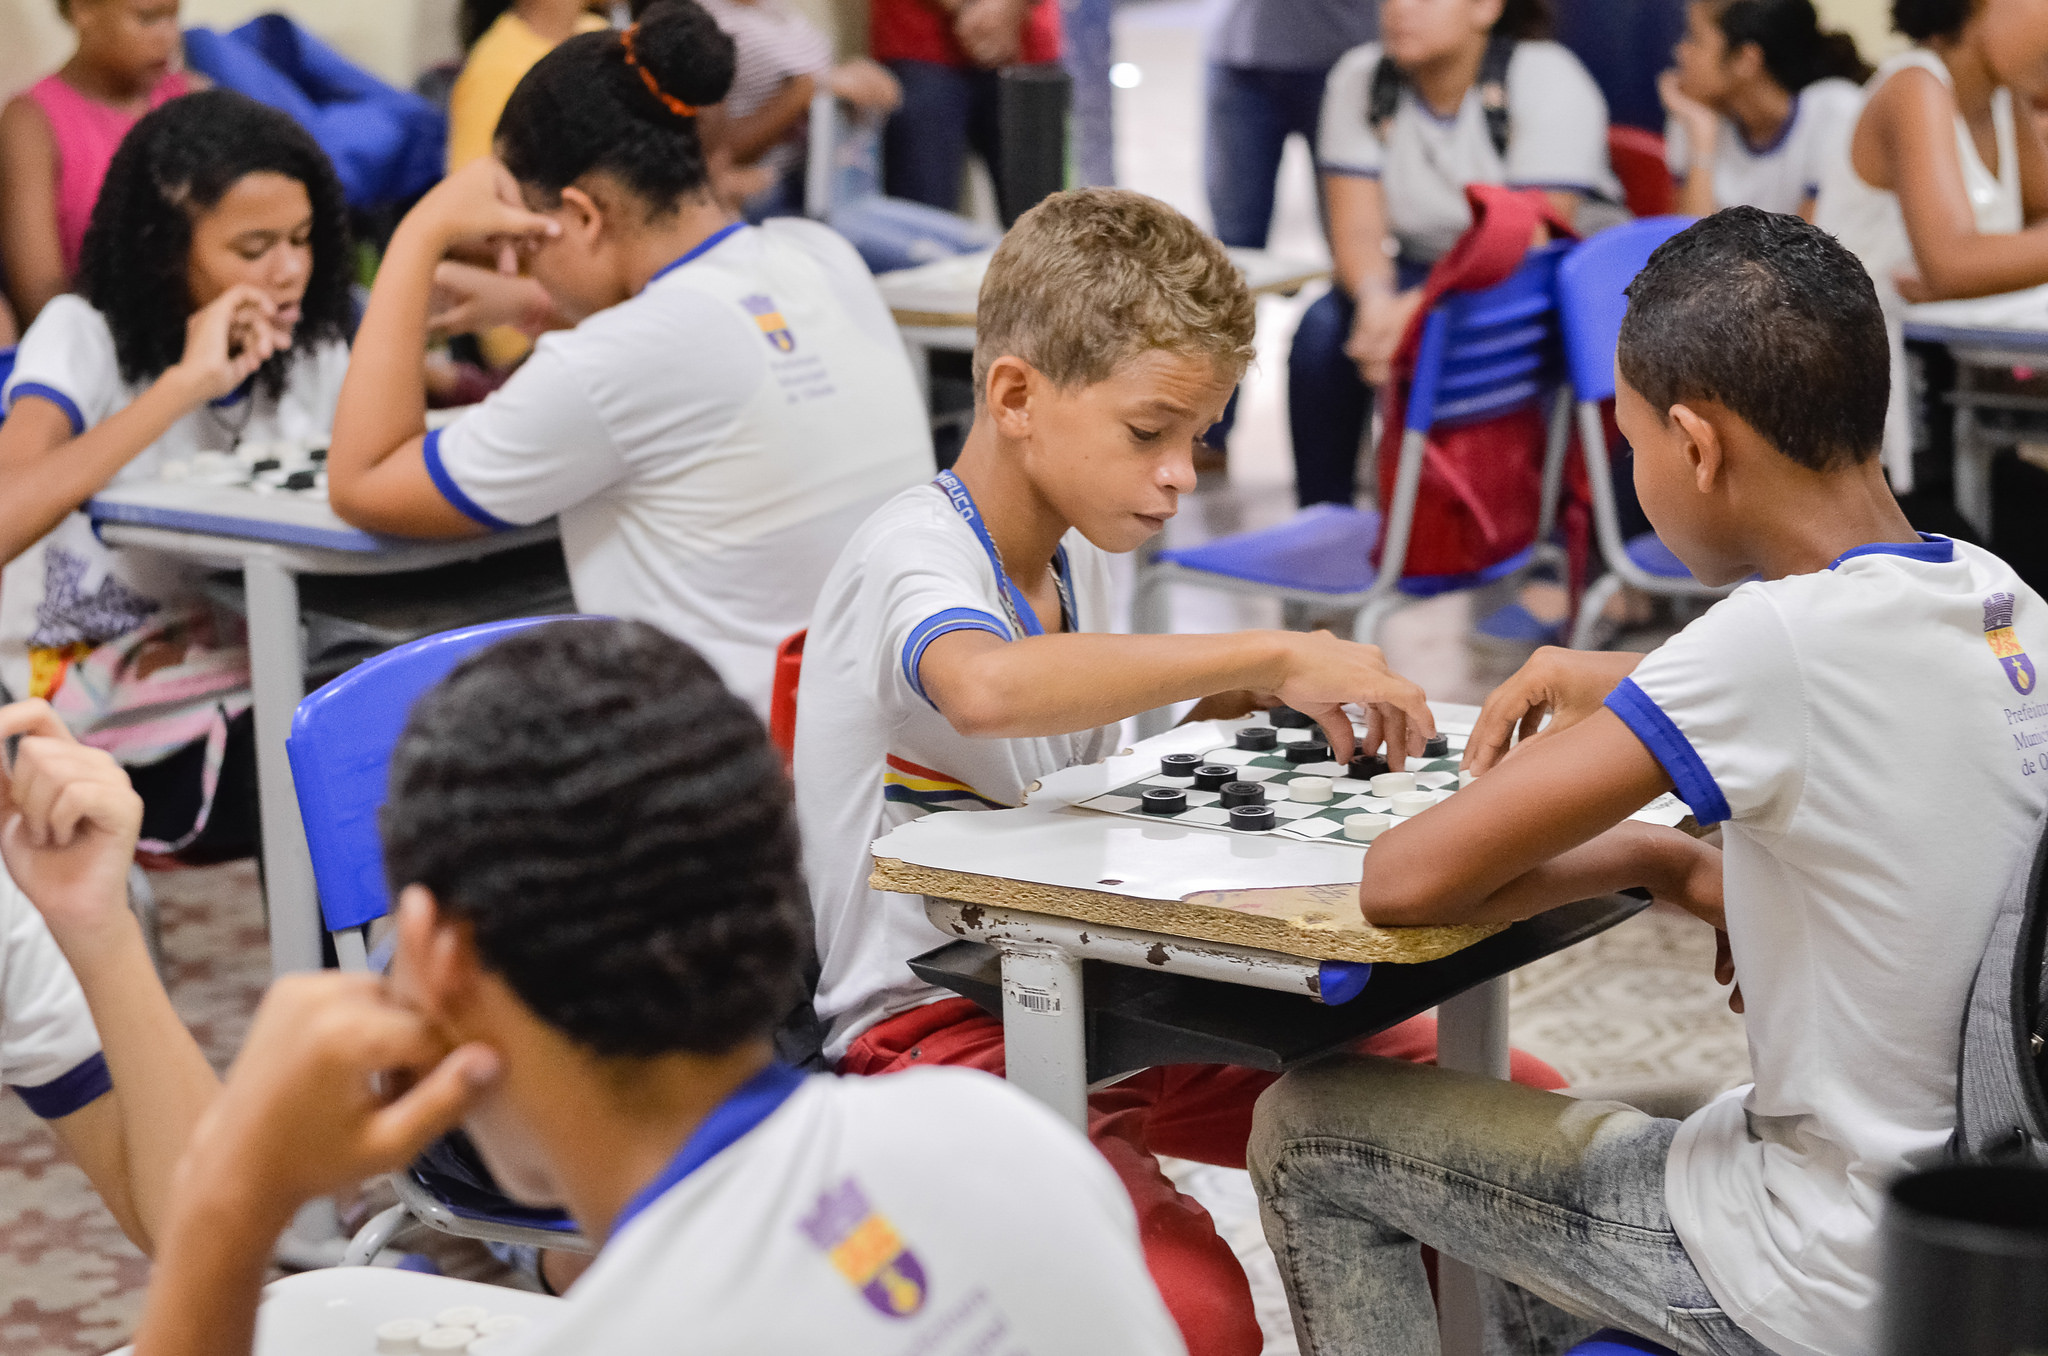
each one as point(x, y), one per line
point(731, 402)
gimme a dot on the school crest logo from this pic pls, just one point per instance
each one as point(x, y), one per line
point(1998, 633)
point(866, 1250)
point(773, 327)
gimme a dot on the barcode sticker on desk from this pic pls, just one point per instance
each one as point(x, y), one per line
point(1030, 998)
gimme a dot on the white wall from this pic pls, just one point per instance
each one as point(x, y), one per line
point(1870, 21)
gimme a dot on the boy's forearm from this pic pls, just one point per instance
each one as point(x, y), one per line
point(209, 1274)
point(164, 1083)
point(1052, 685)
point(1628, 856)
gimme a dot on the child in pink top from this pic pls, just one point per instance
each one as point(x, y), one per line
point(57, 139)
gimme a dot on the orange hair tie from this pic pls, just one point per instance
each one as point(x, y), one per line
point(668, 101)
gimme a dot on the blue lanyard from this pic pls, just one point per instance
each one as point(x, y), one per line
point(1023, 619)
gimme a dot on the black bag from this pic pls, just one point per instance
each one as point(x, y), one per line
point(2002, 1078)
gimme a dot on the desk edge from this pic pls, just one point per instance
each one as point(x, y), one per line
point(1196, 922)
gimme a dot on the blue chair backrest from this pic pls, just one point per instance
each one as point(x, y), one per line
point(1590, 301)
point(1486, 353)
point(340, 746)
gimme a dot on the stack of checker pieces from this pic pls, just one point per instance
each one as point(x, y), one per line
point(1278, 777)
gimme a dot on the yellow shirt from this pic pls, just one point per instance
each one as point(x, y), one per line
point(501, 57)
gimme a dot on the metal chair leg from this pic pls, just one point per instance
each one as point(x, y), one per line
point(1590, 607)
point(375, 1236)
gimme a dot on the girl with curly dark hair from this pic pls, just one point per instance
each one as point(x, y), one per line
point(212, 310)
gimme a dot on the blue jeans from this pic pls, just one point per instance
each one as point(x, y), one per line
point(946, 110)
point(1357, 1160)
point(1329, 406)
point(1251, 114)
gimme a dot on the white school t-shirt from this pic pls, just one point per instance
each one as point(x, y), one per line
point(1869, 739)
point(69, 587)
point(49, 1047)
point(1782, 176)
point(709, 444)
point(873, 752)
point(1557, 140)
point(937, 1212)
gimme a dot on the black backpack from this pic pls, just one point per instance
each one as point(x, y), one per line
point(1383, 99)
point(2002, 1079)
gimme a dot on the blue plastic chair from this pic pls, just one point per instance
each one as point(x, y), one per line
point(340, 747)
point(1591, 305)
point(1483, 354)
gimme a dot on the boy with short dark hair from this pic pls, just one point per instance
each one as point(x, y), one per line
point(599, 923)
point(962, 650)
point(1856, 720)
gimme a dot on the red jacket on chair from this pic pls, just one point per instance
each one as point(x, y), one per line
point(1482, 483)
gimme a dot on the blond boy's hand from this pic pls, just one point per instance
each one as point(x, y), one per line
point(1564, 686)
point(1324, 674)
point(70, 822)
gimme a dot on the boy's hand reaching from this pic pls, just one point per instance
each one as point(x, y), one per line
point(1324, 674)
point(335, 1083)
point(70, 822)
point(1564, 685)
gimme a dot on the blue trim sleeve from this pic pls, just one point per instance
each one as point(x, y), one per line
point(54, 396)
point(939, 624)
point(74, 1091)
point(452, 492)
point(1347, 171)
point(1669, 746)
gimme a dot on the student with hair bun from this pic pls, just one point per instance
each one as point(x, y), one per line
point(731, 403)
point(1760, 98)
point(1942, 188)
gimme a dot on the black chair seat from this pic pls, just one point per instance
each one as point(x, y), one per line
point(1138, 1019)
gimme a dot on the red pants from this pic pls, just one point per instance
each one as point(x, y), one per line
point(1201, 1112)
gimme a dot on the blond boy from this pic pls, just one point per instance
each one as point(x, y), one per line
point(964, 649)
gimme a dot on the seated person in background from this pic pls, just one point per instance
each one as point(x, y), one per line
point(1405, 127)
point(1752, 389)
point(732, 402)
point(963, 650)
point(947, 55)
point(87, 1035)
point(1943, 190)
point(599, 923)
point(502, 40)
point(212, 310)
point(1760, 100)
point(780, 61)
point(57, 139)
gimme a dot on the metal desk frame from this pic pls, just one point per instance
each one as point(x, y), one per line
point(270, 574)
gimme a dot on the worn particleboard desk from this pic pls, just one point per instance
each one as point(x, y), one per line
point(1050, 885)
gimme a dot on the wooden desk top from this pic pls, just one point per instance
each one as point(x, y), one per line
point(1320, 922)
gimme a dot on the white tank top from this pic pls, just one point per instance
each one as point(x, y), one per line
point(1868, 221)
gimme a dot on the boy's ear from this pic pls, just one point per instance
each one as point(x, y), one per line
point(1011, 381)
point(1702, 448)
point(436, 961)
